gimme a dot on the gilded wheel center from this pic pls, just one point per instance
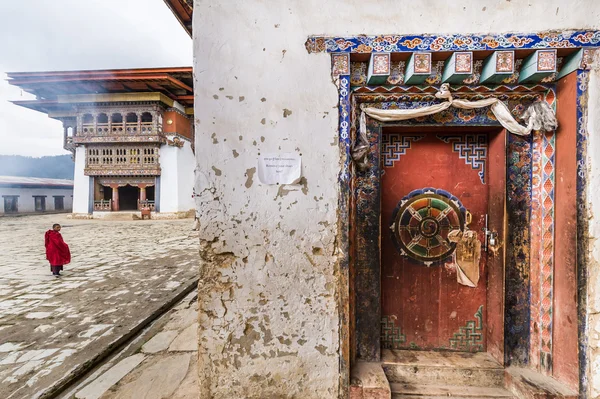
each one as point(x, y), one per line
point(429, 227)
point(422, 224)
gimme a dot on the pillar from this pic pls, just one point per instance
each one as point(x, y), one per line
point(142, 192)
point(115, 197)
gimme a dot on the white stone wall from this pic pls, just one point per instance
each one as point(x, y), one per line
point(269, 319)
point(81, 185)
point(177, 178)
point(26, 202)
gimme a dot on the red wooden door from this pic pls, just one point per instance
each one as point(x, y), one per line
point(423, 305)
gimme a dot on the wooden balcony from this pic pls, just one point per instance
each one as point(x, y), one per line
point(121, 132)
point(122, 160)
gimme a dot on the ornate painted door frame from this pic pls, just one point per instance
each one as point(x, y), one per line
point(365, 224)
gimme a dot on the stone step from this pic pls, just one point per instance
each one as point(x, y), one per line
point(455, 368)
point(430, 391)
point(529, 384)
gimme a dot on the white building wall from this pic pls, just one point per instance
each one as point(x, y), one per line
point(269, 319)
point(26, 202)
point(81, 185)
point(177, 178)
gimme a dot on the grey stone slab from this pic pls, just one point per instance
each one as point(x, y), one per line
point(187, 340)
point(159, 342)
point(157, 381)
point(113, 375)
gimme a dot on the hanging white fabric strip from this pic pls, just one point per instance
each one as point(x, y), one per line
point(539, 116)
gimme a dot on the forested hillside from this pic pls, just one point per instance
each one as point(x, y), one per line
point(57, 167)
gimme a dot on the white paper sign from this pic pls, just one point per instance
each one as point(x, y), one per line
point(284, 168)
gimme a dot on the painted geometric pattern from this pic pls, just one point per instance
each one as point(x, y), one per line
point(547, 274)
point(542, 242)
point(535, 231)
point(455, 42)
point(391, 336)
point(470, 337)
point(472, 148)
point(394, 145)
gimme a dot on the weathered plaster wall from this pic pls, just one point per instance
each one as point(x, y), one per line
point(268, 313)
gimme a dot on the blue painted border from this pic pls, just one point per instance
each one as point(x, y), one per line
point(344, 92)
point(455, 42)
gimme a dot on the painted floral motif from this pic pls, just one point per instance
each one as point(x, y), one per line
point(474, 78)
point(546, 61)
point(464, 62)
point(422, 62)
point(381, 64)
point(436, 76)
point(358, 73)
point(341, 64)
point(514, 78)
point(397, 73)
point(505, 61)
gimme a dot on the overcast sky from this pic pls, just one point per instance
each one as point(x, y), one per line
point(43, 35)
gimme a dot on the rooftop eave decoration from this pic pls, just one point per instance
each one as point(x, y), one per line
point(183, 11)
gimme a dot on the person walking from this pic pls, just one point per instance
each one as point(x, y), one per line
point(57, 251)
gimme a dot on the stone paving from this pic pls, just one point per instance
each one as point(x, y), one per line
point(160, 363)
point(121, 273)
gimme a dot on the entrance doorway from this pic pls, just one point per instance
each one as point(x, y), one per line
point(128, 198)
point(431, 184)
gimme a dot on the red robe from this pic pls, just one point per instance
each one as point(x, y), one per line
point(57, 251)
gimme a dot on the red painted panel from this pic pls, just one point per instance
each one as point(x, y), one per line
point(179, 124)
point(495, 261)
point(432, 310)
point(565, 338)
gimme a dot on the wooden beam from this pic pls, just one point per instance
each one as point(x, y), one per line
point(379, 68)
point(572, 63)
point(538, 65)
point(498, 66)
point(418, 68)
point(458, 67)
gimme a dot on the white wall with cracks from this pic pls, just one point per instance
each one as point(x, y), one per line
point(268, 312)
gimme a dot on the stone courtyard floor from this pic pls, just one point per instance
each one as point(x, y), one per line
point(122, 273)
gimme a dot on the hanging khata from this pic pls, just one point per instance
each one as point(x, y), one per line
point(539, 116)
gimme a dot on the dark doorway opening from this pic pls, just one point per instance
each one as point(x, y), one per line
point(40, 203)
point(150, 193)
point(59, 203)
point(11, 204)
point(128, 198)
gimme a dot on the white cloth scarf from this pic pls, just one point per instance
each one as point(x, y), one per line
point(539, 116)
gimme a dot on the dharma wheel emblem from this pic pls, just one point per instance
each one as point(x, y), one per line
point(421, 224)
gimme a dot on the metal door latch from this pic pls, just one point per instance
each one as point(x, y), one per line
point(491, 237)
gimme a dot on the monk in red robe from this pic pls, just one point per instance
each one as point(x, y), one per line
point(57, 251)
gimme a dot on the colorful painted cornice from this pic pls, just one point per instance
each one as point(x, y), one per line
point(454, 42)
